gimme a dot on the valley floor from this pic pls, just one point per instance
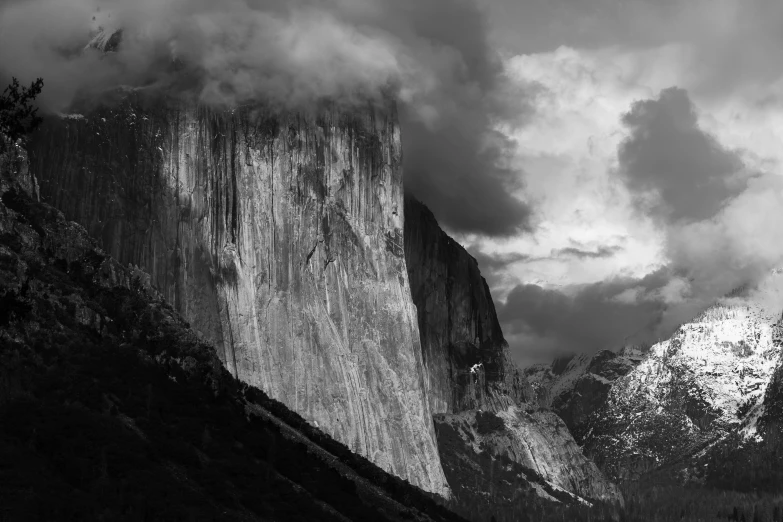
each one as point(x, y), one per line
point(664, 503)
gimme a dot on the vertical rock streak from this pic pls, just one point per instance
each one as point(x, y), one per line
point(271, 234)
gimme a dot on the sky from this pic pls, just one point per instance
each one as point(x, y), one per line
point(650, 159)
point(613, 165)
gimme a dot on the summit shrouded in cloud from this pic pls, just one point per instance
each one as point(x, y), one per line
point(597, 156)
point(432, 55)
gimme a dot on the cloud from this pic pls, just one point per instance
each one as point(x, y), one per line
point(601, 253)
point(432, 55)
point(711, 208)
point(494, 266)
point(583, 318)
point(492, 262)
point(676, 170)
point(461, 178)
point(737, 246)
point(232, 52)
point(727, 42)
point(714, 215)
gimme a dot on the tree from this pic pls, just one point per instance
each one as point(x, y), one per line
point(18, 117)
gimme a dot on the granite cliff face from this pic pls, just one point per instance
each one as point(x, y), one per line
point(114, 409)
point(464, 350)
point(279, 237)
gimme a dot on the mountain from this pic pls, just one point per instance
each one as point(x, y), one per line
point(575, 386)
point(466, 356)
point(503, 456)
point(684, 406)
point(692, 389)
point(114, 409)
point(284, 237)
point(279, 237)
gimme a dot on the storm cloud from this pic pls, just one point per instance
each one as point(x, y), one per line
point(676, 170)
point(716, 216)
point(582, 319)
point(715, 219)
point(432, 55)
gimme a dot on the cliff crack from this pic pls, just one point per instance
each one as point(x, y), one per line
point(328, 260)
point(312, 251)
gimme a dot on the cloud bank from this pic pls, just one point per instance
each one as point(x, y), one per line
point(717, 219)
point(584, 319)
point(432, 55)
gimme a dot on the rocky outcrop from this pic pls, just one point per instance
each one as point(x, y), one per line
point(279, 237)
point(114, 409)
point(576, 386)
point(516, 463)
point(465, 354)
point(526, 459)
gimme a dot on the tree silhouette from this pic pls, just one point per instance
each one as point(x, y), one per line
point(17, 114)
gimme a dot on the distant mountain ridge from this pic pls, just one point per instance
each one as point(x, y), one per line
point(712, 382)
point(575, 386)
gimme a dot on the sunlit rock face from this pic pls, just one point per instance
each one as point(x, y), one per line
point(466, 356)
point(279, 237)
point(705, 383)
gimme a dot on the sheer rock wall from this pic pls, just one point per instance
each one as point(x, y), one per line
point(279, 237)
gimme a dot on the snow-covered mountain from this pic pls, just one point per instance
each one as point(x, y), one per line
point(635, 412)
point(575, 386)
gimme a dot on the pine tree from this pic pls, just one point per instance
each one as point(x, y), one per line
point(17, 115)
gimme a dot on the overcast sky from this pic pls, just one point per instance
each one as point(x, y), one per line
point(650, 156)
point(614, 165)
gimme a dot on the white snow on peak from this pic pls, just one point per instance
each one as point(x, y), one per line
point(725, 356)
point(748, 429)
